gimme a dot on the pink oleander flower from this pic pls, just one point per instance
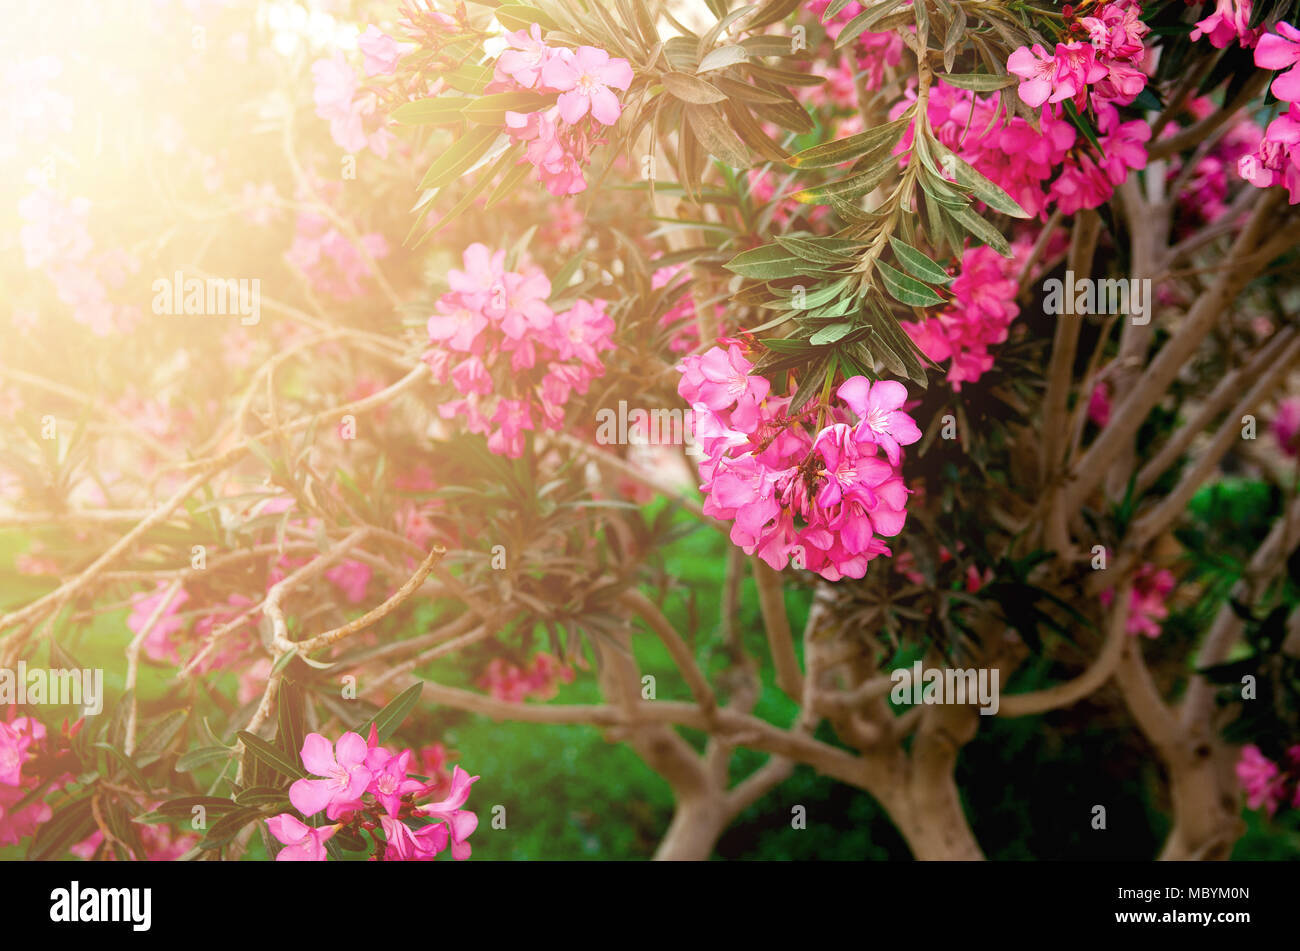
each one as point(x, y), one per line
point(461, 823)
point(1229, 21)
point(344, 769)
point(1117, 31)
point(158, 642)
point(1261, 779)
point(1099, 404)
point(1147, 601)
point(882, 421)
point(389, 782)
point(381, 51)
point(1064, 75)
point(352, 578)
point(1281, 51)
point(302, 843)
point(1286, 424)
point(585, 77)
point(522, 63)
point(404, 844)
point(1123, 144)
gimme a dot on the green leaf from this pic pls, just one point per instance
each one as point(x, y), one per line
point(126, 762)
point(270, 756)
point(830, 154)
point(492, 109)
point(978, 82)
point(770, 262)
point(517, 16)
point(1082, 124)
point(387, 720)
point(69, 824)
point(229, 826)
point(980, 229)
point(829, 251)
point(721, 58)
point(203, 755)
point(904, 289)
point(859, 24)
point(917, 264)
point(848, 189)
point(439, 110)
point(692, 89)
point(831, 334)
point(469, 78)
point(709, 123)
point(977, 184)
point(772, 12)
point(460, 157)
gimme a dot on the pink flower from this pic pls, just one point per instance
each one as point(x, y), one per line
point(336, 85)
point(352, 578)
point(584, 77)
point(158, 643)
point(877, 406)
point(1229, 21)
point(1037, 72)
point(1124, 147)
point(381, 51)
point(455, 324)
point(1259, 777)
point(302, 843)
point(1151, 588)
point(344, 769)
point(1281, 52)
point(405, 844)
point(460, 822)
point(389, 782)
point(1286, 423)
point(1099, 404)
point(523, 61)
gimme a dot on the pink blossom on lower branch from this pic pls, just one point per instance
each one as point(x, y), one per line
point(1147, 602)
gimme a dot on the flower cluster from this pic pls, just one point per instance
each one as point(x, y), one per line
point(1108, 63)
point(55, 238)
point(873, 51)
point(354, 120)
point(1276, 160)
point(1266, 785)
point(330, 260)
point(365, 786)
point(1024, 161)
point(560, 138)
point(1147, 607)
point(821, 499)
point(519, 360)
point(540, 680)
point(983, 307)
point(24, 743)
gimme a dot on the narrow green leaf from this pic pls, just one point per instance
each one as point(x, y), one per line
point(692, 89)
point(917, 264)
point(904, 289)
